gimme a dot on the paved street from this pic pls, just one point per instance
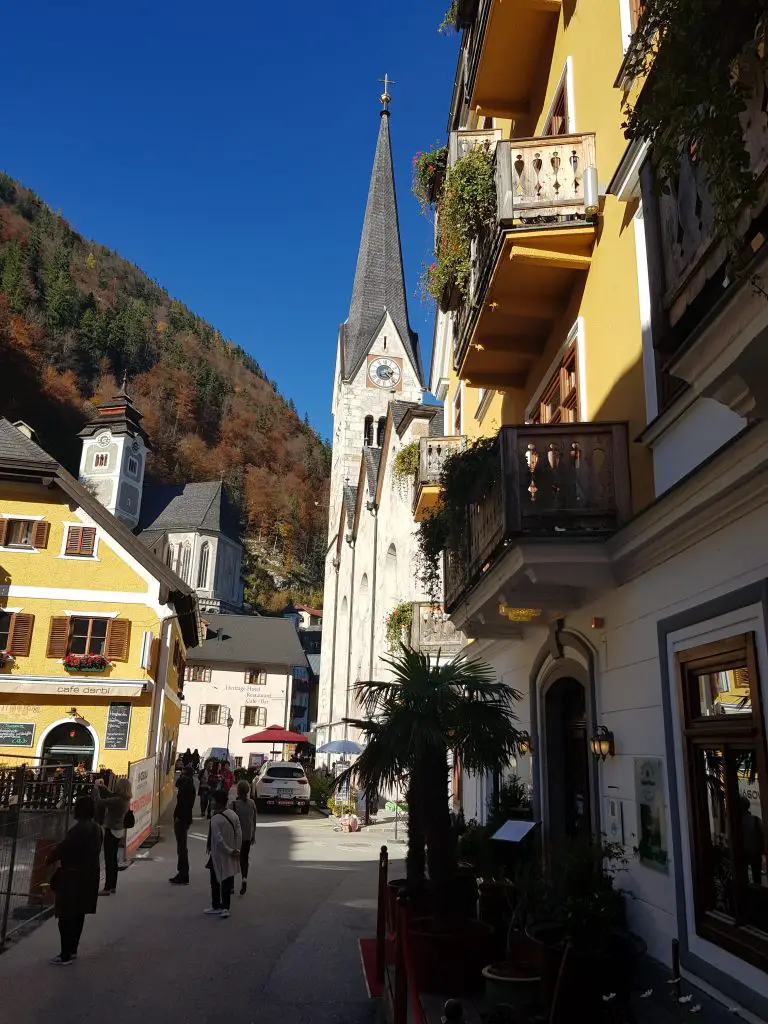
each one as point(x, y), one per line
point(287, 955)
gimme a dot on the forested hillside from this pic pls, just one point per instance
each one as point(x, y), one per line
point(75, 316)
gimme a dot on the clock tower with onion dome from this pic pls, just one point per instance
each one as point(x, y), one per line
point(377, 358)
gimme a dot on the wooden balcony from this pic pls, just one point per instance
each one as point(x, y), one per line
point(537, 534)
point(526, 262)
point(433, 451)
point(504, 49)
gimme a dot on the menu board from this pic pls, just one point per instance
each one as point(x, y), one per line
point(16, 734)
point(118, 725)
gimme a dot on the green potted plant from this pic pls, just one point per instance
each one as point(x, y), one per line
point(428, 173)
point(398, 625)
point(426, 710)
point(583, 906)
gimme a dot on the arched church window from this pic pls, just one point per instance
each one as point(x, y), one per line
point(380, 431)
point(186, 559)
point(202, 570)
point(390, 577)
point(368, 432)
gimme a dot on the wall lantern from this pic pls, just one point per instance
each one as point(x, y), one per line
point(602, 744)
point(524, 743)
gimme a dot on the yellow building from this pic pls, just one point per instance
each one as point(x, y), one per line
point(93, 627)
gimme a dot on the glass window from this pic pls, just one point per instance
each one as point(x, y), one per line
point(202, 572)
point(210, 714)
point(19, 533)
point(5, 629)
point(102, 460)
point(725, 760)
point(185, 709)
point(559, 401)
point(253, 716)
point(284, 772)
point(198, 673)
point(255, 677)
point(88, 636)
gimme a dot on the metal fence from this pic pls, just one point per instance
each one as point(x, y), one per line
point(36, 802)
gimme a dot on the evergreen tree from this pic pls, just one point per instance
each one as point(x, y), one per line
point(12, 282)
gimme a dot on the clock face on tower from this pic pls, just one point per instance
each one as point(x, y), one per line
point(383, 372)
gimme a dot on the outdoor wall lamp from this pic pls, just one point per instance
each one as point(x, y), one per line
point(524, 743)
point(602, 743)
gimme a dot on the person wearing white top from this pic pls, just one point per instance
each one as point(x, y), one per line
point(225, 838)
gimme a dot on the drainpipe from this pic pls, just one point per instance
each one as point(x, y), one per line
point(351, 543)
point(335, 564)
point(373, 509)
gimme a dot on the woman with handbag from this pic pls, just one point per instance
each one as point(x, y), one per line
point(118, 816)
point(225, 837)
point(76, 881)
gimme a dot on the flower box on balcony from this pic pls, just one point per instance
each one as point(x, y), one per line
point(450, 298)
point(5, 658)
point(85, 663)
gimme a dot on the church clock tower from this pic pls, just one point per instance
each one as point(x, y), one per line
point(378, 354)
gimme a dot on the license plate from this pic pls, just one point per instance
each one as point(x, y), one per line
point(285, 794)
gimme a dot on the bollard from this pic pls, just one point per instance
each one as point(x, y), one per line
point(381, 915)
point(401, 977)
point(453, 1012)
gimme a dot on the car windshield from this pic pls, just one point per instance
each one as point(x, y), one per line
point(285, 773)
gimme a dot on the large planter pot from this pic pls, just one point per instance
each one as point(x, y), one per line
point(512, 984)
point(449, 959)
point(600, 972)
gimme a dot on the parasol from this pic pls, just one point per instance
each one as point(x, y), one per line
point(275, 734)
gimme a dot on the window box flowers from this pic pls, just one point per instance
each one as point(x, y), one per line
point(428, 173)
point(85, 663)
point(5, 658)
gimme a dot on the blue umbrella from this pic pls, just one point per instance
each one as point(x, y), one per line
point(340, 747)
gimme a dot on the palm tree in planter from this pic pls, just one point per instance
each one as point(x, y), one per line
point(411, 723)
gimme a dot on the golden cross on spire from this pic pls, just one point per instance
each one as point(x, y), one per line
point(385, 98)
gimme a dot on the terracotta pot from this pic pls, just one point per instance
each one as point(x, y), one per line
point(513, 984)
point(448, 960)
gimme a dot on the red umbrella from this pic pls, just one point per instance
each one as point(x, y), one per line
point(275, 734)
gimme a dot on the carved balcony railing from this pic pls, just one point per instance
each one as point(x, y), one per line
point(568, 481)
point(541, 183)
point(433, 451)
point(690, 249)
point(464, 141)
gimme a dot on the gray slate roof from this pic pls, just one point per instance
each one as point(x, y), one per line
point(193, 506)
point(253, 640)
point(379, 280)
point(350, 501)
point(15, 445)
point(372, 458)
point(314, 663)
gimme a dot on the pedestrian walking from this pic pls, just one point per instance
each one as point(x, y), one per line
point(245, 809)
point(186, 757)
point(196, 759)
point(76, 881)
point(116, 807)
point(227, 778)
point(182, 819)
point(224, 841)
point(204, 787)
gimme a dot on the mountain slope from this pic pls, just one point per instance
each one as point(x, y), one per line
point(75, 316)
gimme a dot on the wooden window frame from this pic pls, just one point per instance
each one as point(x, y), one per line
point(568, 408)
point(197, 673)
point(19, 636)
point(260, 681)
point(730, 733)
point(558, 118)
point(39, 531)
point(90, 619)
point(260, 718)
point(203, 714)
point(80, 542)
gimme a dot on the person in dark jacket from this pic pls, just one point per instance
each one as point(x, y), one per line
point(196, 759)
point(114, 806)
point(186, 757)
point(182, 819)
point(77, 880)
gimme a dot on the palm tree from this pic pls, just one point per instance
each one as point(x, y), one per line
point(411, 724)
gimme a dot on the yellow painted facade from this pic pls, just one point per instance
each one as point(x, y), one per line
point(603, 312)
point(38, 689)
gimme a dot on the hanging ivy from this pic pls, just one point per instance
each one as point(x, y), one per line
point(702, 61)
point(406, 462)
point(466, 476)
point(400, 618)
point(428, 173)
point(467, 202)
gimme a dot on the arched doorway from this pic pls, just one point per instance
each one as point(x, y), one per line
point(567, 759)
point(69, 743)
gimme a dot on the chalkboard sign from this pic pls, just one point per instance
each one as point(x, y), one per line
point(118, 724)
point(17, 734)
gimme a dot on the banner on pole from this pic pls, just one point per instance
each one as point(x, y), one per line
point(142, 778)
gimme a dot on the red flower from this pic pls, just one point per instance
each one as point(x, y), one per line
point(431, 168)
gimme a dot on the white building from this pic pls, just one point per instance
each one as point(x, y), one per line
point(377, 410)
point(191, 527)
point(243, 670)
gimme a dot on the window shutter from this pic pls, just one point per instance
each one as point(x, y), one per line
point(201, 715)
point(58, 637)
point(73, 540)
point(154, 657)
point(223, 715)
point(261, 717)
point(20, 636)
point(40, 535)
point(88, 542)
point(3, 531)
point(118, 640)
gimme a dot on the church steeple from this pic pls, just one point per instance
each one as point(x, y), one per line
point(379, 286)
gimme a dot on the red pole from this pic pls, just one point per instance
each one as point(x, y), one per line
point(401, 977)
point(381, 912)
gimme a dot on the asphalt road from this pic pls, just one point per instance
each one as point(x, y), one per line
point(287, 955)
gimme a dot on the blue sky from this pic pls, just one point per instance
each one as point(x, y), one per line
point(226, 149)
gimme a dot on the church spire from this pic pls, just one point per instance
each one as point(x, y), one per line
point(379, 280)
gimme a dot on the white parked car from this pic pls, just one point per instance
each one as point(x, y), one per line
point(282, 784)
